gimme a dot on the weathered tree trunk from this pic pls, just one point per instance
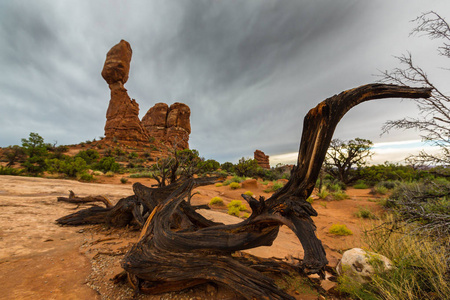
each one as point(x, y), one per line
point(179, 248)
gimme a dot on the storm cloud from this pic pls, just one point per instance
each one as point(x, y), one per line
point(250, 70)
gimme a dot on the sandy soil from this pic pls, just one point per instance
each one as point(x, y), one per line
point(41, 260)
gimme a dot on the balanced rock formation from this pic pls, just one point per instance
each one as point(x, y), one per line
point(262, 159)
point(169, 124)
point(122, 117)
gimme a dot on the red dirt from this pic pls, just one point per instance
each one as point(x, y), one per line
point(41, 260)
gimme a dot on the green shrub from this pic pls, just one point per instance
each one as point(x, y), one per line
point(123, 180)
point(89, 156)
point(365, 213)
point(142, 175)
point(238, 204)
point(249, 193)
point(216, 201)
point(380, 190)
point(339, 196)
point(234, 211)
point(107, 164)
point(275, 187)
point(132, 155)
point(70, 166)
point(360, 185)
point(323, 193)
point(9, 171)
point(310, 200)
point(246, 167)
point(340, 229)
point(219, 184)
point(86, 177)
point(235, 185)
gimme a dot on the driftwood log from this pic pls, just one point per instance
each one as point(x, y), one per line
point(178, 248)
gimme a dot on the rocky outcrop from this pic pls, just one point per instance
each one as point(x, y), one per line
point(122, 116)
point(262, 159)
point(169, 124)
point(359, 265)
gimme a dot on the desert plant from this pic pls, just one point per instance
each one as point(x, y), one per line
point(142, 175)
point(219, 184)
point(14, 154)
point(275, 187)
point(84, 176)
point(323, 193)
point(235, 185)
point(216, 201)
point(379, 190)
point(365, 213)
point(340, 229)
point(310, 200)
point(249, 193)
point(9, 171)
point(107, 164)
point(360, 185)
point(123, 180)
point(70, 166)
point(235, 207)
point(339, 195)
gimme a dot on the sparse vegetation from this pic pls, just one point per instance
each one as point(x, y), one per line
point(235, 185)
point(340, 229)
point(123, 180)
point(365, 213)
point(360, 185)
point(235, 207)
point(249, 193)
point(216, 201)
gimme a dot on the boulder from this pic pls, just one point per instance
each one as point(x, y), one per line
point(262, 159)
point(359, 265)
point(117, 63)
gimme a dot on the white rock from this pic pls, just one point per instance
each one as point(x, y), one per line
point(359, 264)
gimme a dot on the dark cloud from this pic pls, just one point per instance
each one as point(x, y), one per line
point(249, 70)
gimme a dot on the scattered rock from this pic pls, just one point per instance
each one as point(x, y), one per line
point(262, 159)
point(359, 264)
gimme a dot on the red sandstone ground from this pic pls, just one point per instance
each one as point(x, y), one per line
point(41, 260)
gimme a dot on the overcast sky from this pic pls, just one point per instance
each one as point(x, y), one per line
point(249, 70)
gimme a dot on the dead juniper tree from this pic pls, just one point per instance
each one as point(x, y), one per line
point(434, 119)
point(179, 248)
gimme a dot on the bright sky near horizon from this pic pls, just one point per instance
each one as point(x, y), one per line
point(249, 70)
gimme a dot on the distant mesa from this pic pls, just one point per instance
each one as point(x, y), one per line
point(167, 125)
point(262, 159)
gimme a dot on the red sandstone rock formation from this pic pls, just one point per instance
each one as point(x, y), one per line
point(262, 159)
point(169, 124)
point(122, 117)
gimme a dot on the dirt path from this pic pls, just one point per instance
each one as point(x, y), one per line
point(41, 260)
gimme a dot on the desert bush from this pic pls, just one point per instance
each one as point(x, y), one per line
point(339, 195)
point(107, 164)
point(424, 203)
point(216, 201)
point(335, 186)
point(209, 165)
point(365, 213)
point(14, 154)
point(323, 193)
point(227, 166)
point(132, 155)
point(246, 167)
point(10, 171)
point(275, 187)
point(235, 207)
point(235, 185)
point(310, 200)
point(86, 177)
point(379, 190)
point(70, 166)
point(219, 184)
point(340, 229)
point(123, 180)
point(249, 193)
point(360, 185)
point(147, 174)
point(90, 155)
